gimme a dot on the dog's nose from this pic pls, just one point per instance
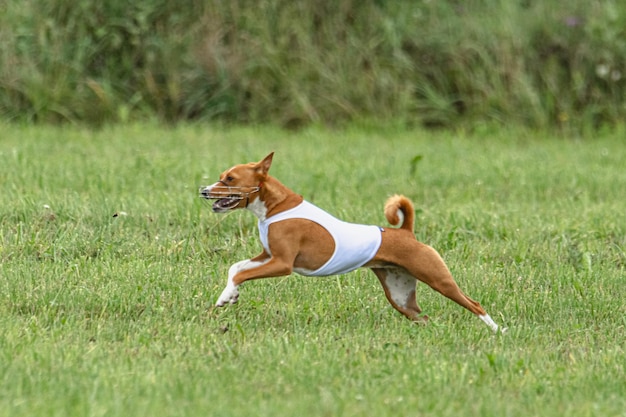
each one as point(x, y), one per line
point(205, 191)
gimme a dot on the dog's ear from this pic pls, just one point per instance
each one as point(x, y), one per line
point(263, 167)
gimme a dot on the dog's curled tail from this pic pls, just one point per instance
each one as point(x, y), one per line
point(399, 211)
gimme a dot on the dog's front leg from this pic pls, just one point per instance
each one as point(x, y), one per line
point(230, 294)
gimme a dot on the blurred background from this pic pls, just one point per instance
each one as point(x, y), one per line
point(433, 63)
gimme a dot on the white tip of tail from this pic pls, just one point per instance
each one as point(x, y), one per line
point(400, 215)
point(492, 324)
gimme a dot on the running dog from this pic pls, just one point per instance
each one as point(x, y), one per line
point(299, 237)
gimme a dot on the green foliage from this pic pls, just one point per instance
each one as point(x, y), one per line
point(438, 63)
point(105, 315)
point(99, 61)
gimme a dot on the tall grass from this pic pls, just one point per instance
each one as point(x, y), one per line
point(437, 63)
point(109, 266)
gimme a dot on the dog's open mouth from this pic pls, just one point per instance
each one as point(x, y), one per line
point(227, 203)
point(226, 198)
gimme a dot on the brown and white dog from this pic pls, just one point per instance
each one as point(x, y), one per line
point(299, 237)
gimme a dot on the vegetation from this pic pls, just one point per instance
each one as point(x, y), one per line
point(110, 265)
point(435, 63)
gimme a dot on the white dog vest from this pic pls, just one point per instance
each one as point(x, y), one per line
point(355, 244)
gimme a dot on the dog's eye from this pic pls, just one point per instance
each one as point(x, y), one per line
point(229, 178)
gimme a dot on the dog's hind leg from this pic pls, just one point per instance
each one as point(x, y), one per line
point(399, 288)
point(427, 266)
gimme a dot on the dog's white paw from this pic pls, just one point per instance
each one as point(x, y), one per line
point(489, 322)
point(230, 295)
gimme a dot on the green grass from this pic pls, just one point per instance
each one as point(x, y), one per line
point(109, 316)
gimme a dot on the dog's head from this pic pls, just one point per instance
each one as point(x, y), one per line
point(238, 186)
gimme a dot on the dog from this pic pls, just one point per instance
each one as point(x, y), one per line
point(299, 237)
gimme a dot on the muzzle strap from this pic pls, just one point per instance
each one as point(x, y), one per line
point(234, 192)
point(258, 188)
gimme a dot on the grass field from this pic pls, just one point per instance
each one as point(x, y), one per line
point(110, 265)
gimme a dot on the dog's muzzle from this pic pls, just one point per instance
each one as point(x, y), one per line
point(226, 198)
